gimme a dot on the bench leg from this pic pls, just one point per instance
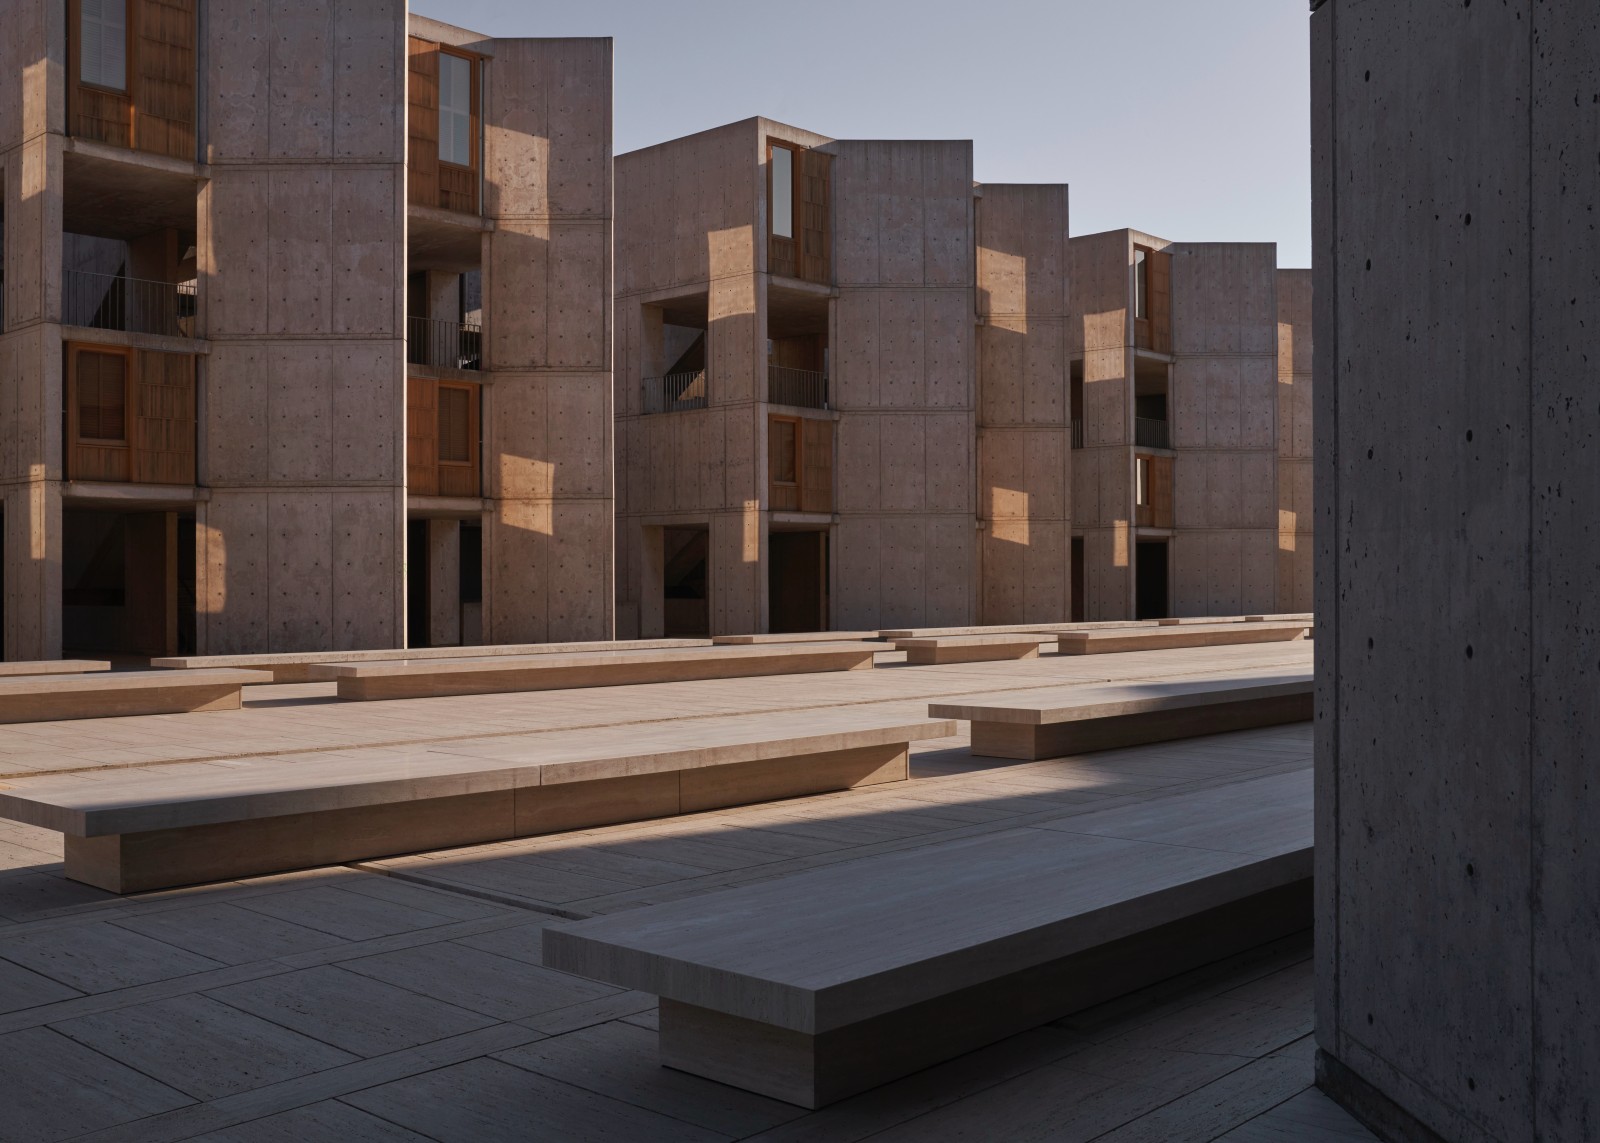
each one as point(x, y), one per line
point(815, 1070)
point(1063, 739)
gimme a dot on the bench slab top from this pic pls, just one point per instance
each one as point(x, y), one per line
point(1111, 700)
point(14, 685)
point(53, 667)
point(204, 793)
point(1007, 639)
point(829, 947)
point(1156, 634)
point(801, 652)
point(794, 637)
point(296, 658)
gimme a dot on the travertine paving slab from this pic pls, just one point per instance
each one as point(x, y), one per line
point(58, 1089)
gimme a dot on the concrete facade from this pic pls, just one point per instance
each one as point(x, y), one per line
point(1456, 553)
point(1216, 421)
point(332, 335)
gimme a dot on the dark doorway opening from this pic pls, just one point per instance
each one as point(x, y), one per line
point(1150, 571)
point(797, 581)
point(127, 583)
point(417, 583)
point(471, 584)
point(1079, 609)
point(685, 553)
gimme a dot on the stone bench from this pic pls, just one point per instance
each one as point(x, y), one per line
point(893, 633)
point(931, 650)
point(200, 823)
point(295, 666)
point(1070, 720)
point(425, 678)
point(53, 667)
point(795, 637)
point(813, 987)
point(1166, 637)
point(46, 698)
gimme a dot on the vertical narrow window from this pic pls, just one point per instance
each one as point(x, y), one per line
point(455, 110)
point(1141, 286)
point(782, 192)
point(102, 396)
point(103, 54)
point(785, 467)
point(455, 433)
point(1142, 482)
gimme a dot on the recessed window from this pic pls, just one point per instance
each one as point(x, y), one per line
point(1141, 286)
point(1142, 482)
point(782, 192)
point(455, 109)
point(102, 396)
point(784, 451)
point(455, 431)
point(103, 54)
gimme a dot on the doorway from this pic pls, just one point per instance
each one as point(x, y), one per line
point(797, 581)
point(1150, 572)
point(1079, 604)
point(125, 586)
point(685, 553)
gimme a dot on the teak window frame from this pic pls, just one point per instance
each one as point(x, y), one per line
point(475, 111)
point(75, 436)
point(794, 150)
point(130, 14)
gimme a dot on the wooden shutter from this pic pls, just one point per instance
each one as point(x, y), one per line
point(422, 95)
point(781, 252)
point(783, 459)
point(162, 75)
point(163, 436)
point(97, 414)
point(458, 440)
point(458, 185)
point(96, 112)
point(1160, 491)
point(811, 216)
point(816, 487)
point(1158, 283)
point(422, 437)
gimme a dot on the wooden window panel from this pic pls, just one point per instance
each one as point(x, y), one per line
point(458, 183)
point(422, 97)
point(98, 382)
point(782, 255)
point(1159, 283)
point(422, 436)
point(163, 436)
point(95, 112)
point(459, 434)
point(814, 230)
point(784, 463)
point(816, 459)
point(163, 77)
point(1161, 491)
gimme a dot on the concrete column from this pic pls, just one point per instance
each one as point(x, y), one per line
point(444, 583)
point(302, 266)
point(1457, 556)
point(547, 320)
point(32, 119)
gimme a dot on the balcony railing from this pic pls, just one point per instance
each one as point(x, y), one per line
point(803, 388)
point(1077, 434)
point(444, 344)
point(131, 305)
point(675, 392)
point(1151, 433)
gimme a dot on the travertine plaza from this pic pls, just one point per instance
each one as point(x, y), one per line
point(835, 662)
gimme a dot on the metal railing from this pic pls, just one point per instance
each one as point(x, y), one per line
point(803, 388)
point(1151, 433)
point(131, 305)
point(1077, 434)
point(675, 392)
point(447, 344)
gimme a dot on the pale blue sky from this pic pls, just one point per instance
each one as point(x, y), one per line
point(1188, 120)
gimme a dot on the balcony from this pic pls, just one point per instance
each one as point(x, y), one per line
point(1150, 433)
point(129, 305)
point(802, 388)
point(444, 344)
point(675, 393)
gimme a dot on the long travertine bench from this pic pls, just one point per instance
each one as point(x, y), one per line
point(893, 633)
point(932, 650)
point(1162, 638)
point(46, 698)
point(794, 637)
point(1070, 720)
point(53, 667)
point(202, 823)
point(295, 666)
point(814, 987)
point(413, 679)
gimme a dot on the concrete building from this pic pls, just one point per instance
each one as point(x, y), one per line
point(304, 309)
point(1458, 486)
point(850, 383)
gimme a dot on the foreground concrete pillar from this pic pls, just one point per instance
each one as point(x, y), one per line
point(444, 583)
point(1457, 561)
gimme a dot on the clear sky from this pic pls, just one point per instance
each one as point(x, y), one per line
point(1186, 119)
